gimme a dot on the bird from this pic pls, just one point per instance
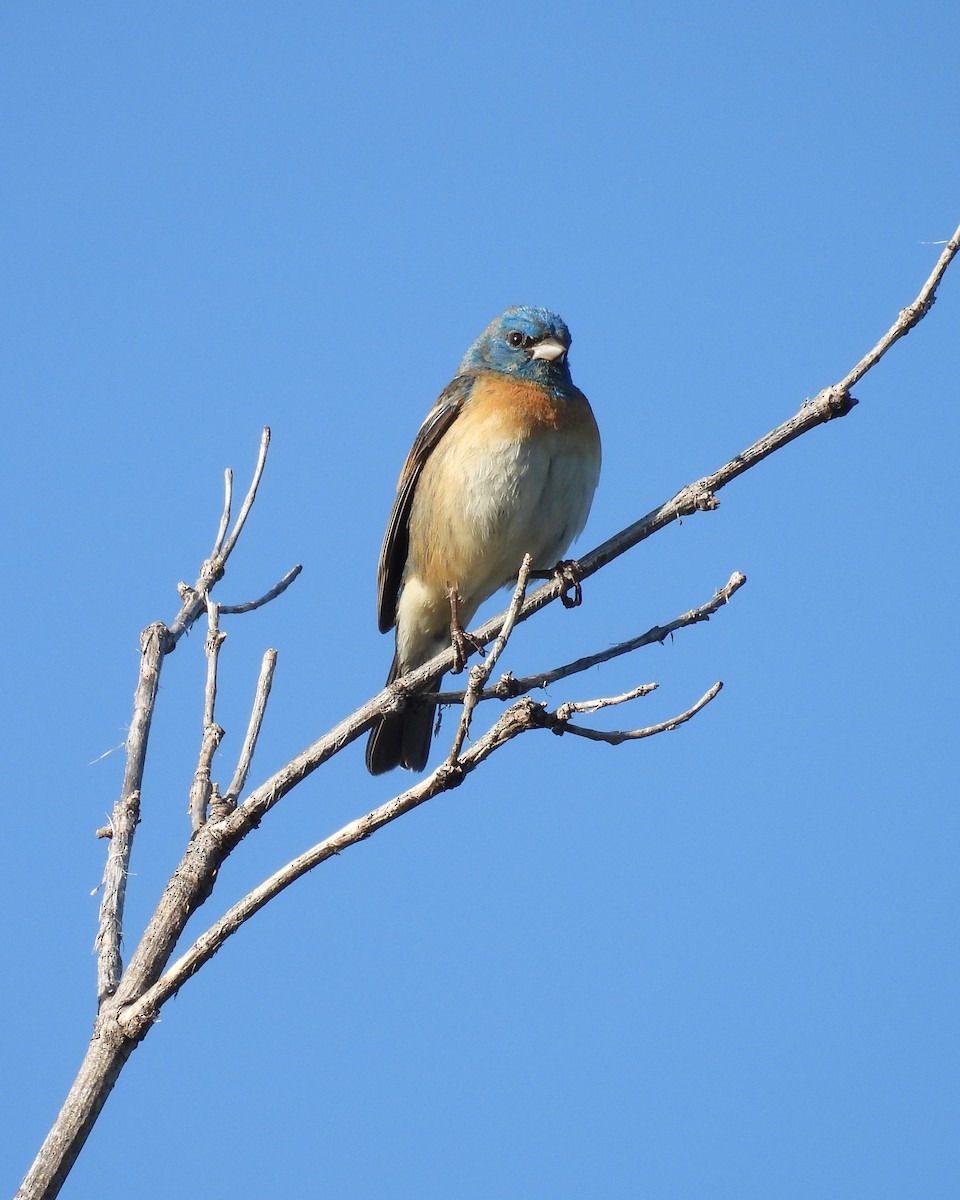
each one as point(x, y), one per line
point(505, 464)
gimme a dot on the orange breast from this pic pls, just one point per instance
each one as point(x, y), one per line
point(521, 410)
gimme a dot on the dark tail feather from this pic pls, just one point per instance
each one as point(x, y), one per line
point(402, 739)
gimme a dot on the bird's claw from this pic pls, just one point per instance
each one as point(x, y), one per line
point(461, 641)
point(567, 574)
point(463, 644)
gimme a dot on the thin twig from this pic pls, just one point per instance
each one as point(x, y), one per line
point(214, 641)
point(262, 694)
point(250, 496)
point(225, 515)
point(200, 789)
point(908, 318)
point(211, 571)
point(480, 673)
point(276, 590)
point(617, 737)
point(566, 710)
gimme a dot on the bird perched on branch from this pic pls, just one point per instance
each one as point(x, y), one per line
point(505, 464)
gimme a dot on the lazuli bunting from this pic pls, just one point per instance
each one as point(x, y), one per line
point(505, 464)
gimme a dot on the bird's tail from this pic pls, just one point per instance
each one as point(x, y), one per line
point(402, 739)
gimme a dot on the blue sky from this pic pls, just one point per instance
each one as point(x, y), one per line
point(721, 963)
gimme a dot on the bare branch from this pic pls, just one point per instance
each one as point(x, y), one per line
point(211, 572)
point(508, 688)
point(214, 641)
point(190, 882)
point(264, 683)
point(156, 642)
point(908, 318)
point(200, 789)
point(617, 737)
point(566, 710)
point(126, 814)
point(521, 717)
point(225, 515)
point(277, 590)
point(250, 496)
point(269, 793)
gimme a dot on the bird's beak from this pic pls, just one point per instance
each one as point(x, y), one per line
point(550, 349)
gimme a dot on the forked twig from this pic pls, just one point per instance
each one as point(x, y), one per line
point(617, 736)
point(156, 641)
point(480, 673)
point(251, 494)
point(508, 688)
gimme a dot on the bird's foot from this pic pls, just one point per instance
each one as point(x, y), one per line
point(461, 641)
point(463, 644)
point(567, 574)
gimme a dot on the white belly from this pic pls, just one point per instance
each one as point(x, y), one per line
point(528, 499)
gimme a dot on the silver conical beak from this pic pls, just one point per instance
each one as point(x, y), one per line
point(550, 349)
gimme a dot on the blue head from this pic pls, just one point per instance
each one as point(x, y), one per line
point(531, 343)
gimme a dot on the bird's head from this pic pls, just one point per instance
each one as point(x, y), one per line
point(531, 343)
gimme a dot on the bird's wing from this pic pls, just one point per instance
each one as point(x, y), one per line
point(393, 555)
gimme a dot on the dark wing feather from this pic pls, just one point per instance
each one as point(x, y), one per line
point(393, 555)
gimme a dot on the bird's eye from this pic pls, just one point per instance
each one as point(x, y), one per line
point(515, 338)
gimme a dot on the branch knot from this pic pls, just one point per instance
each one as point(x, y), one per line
point(833, 402)
point(508, 687)
point(695, 497)
point(161, 634)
